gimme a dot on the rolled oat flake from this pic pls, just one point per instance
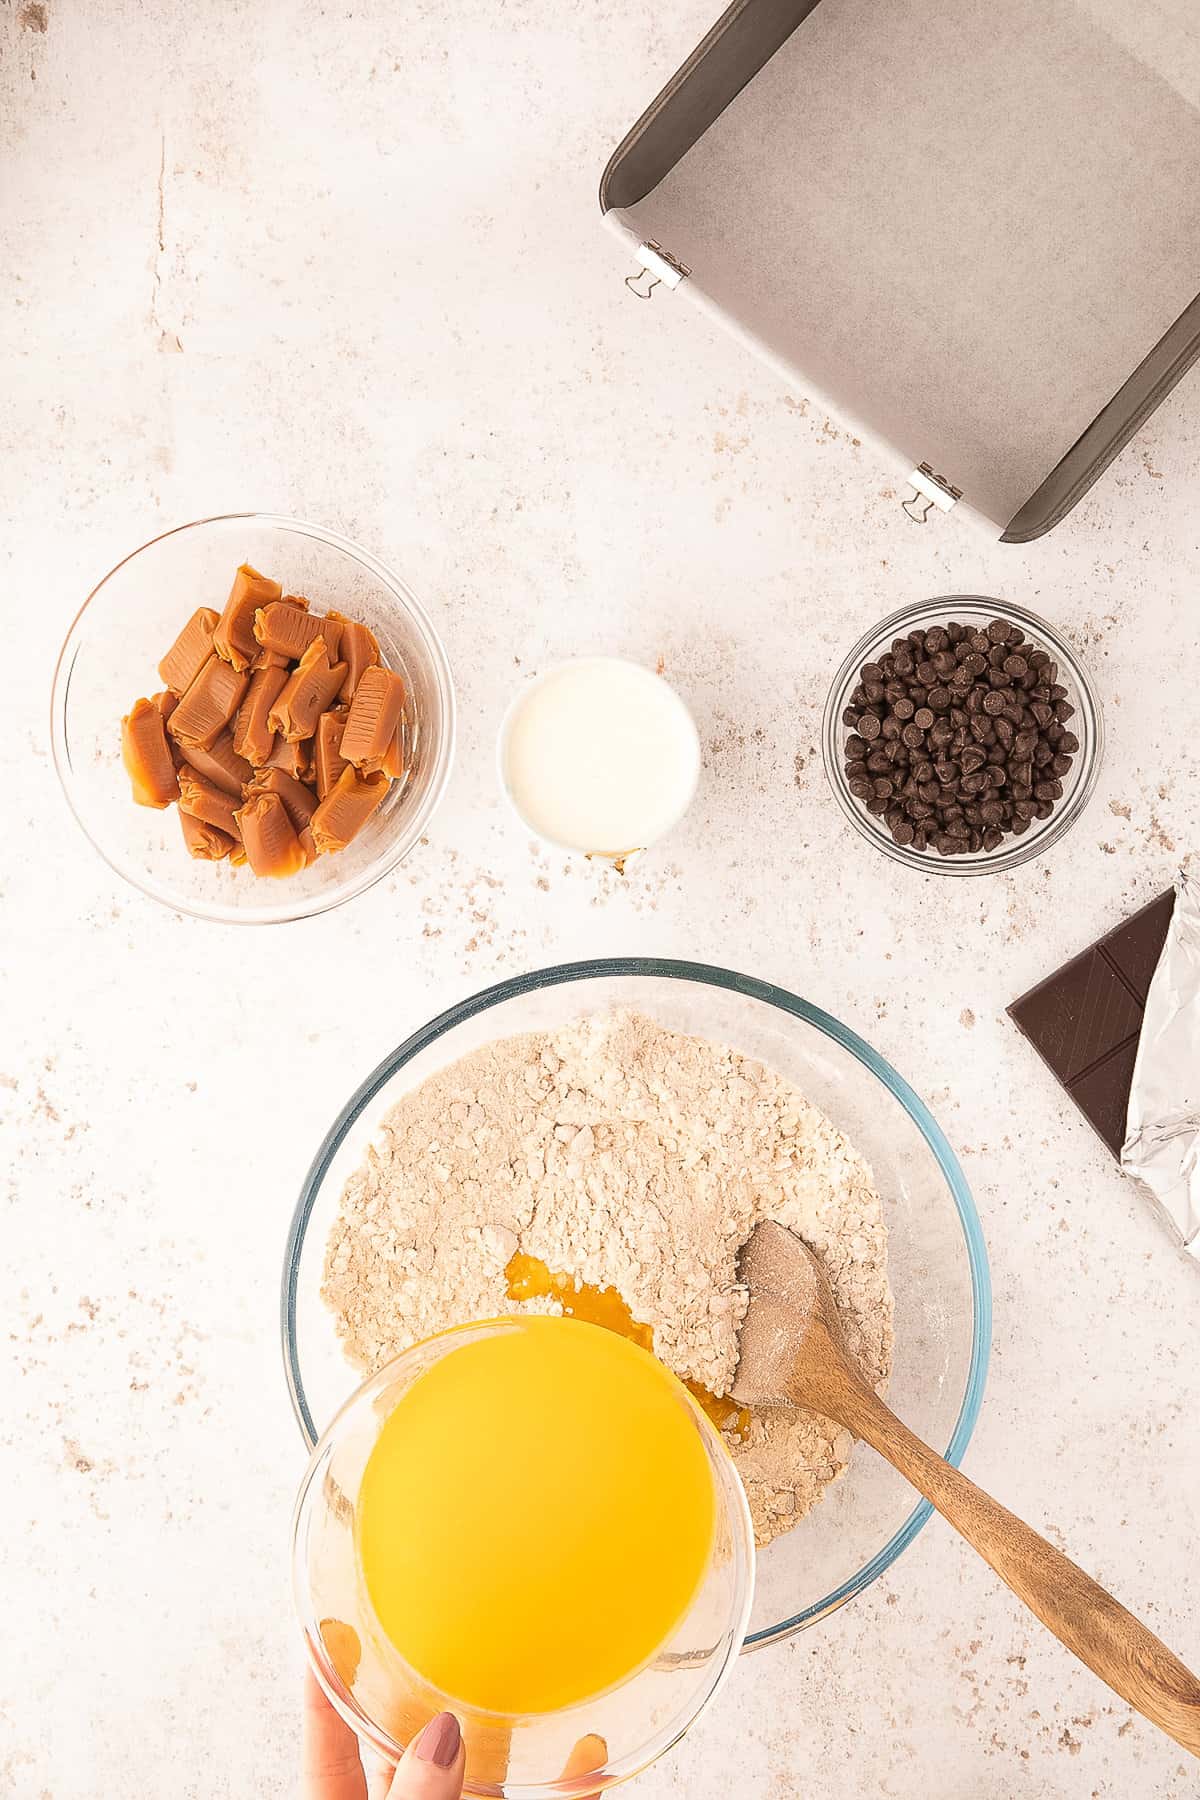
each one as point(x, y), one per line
point(1162, 1127)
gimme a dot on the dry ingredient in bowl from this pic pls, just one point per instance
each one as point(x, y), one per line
point(635, 1161)
point(958, 737)
point(278, 730)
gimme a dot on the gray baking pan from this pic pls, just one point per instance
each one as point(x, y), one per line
point(971, 230)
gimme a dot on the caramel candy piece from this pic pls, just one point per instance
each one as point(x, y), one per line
point(204, 841)
point(234, 637)
point(205, 800)
point(166, 703)
point(310, 687)
point(269, 837)
point(374, 717)
point(253, 735)
point(221, 765)
point(288, 629)
point(346, 809)
point(208, 705)
point(358, 649)
point(308, 847)
point(268, 659)
point(393, 757)
point(190, 651)
point(294, 759)
point(147, 755)
point(299, 801)
point(327, 749)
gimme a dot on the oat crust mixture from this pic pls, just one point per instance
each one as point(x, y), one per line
point(629, 1156)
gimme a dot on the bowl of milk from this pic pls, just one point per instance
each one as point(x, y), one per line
point(599, 755)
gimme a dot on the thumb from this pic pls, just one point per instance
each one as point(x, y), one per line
point(432, 1766)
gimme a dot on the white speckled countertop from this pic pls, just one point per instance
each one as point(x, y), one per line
point(346, 261)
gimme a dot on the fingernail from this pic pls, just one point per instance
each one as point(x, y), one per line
point(439, 1741)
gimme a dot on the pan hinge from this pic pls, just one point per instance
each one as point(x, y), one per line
point(659, 268)
point(929, 490)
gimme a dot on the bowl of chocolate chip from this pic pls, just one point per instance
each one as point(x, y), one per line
point(962, 736)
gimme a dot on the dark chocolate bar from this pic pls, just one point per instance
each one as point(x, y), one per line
point(1084, 1020)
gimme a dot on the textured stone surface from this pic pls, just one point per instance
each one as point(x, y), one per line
point(346, 262)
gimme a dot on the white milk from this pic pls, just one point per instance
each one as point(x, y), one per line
point(599, 755)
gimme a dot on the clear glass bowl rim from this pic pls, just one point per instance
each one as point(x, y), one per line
point(705, 975)
point(282, 913)
point(1021, 849)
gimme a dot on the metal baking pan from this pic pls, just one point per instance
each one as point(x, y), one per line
point(971, 231)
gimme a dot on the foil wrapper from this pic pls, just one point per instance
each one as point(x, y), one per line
point(1162, 1126)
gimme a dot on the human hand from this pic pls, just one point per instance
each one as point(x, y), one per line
point(430, 1769)
point(331, 1768)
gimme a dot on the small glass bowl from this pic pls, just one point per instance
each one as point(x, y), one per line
point(684, 724)
point(110, 657)
point(519, 1757)
point(1087, 724)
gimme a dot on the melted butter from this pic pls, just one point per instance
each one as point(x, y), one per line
point(531, 1279)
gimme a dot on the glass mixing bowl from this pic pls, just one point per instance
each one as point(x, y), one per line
point(975, 610)
point(519, 1757)
point(937, 1260)
point(111, 656)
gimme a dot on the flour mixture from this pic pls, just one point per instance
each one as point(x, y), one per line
point(629, 1157)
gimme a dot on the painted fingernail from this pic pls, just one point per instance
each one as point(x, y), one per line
point(439, 1741)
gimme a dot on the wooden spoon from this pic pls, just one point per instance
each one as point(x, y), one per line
point(792, 1351)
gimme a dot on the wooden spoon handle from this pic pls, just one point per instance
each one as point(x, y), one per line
point(1079, 1612)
